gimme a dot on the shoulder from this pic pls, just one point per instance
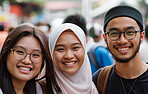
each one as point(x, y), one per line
point(101, 48)
point(104, 71)
point(95, 76)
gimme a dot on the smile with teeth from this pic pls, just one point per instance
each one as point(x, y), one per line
point(69, 63)
point(24, 68)
point(123, 49)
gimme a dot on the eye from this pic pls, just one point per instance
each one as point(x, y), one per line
point(20, 52)
point(130, 32)
point(36, 55)
point(113, 33)
point(76, 48)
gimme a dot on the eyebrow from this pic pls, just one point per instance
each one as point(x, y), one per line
point(76, 44)
point(58, 45)
point(63, 45)
point(113, 29)
point(130, 27)
point(126, 28)
point(25, 48)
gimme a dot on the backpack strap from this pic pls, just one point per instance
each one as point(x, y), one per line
point(102, 79)
point(43, 86)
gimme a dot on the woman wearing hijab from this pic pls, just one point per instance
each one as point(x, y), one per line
point(67, 45)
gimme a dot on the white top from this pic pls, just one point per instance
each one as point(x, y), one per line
point(144, 51)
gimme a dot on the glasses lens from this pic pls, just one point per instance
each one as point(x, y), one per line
point(130, 34)
point(19, 53)
point(114, 34)
point(36, 57)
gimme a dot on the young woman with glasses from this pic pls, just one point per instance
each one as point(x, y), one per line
point(22, 58)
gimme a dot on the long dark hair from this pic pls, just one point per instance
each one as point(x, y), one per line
point(13, 37)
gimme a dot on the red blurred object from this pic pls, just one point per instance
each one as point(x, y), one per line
point(16, 9)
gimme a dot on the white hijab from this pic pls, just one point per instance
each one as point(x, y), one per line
point(81, 81)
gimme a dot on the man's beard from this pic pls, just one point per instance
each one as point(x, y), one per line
point(125, 60)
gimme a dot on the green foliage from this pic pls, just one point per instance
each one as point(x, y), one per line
point(40, 2)
point(11, 1)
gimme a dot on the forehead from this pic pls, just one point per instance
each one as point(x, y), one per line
point(28, 42)
point(68, 37)
point(122, 23)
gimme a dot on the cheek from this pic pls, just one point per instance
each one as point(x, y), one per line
point(57, 57)
point(110, 43)
point(81, 54)
point(11, 61)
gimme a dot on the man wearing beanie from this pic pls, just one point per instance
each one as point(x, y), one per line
point(123, 34)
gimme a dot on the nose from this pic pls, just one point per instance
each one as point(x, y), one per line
point(68, 54)
point(27, 59)
point(122, 39)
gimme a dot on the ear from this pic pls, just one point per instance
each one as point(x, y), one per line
point(104, 37)
point(142, 35)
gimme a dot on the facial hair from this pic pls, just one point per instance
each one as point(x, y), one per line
point(126, 60)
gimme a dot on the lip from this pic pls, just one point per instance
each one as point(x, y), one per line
point(69, 63)
point(24, 69)
point(123, 49)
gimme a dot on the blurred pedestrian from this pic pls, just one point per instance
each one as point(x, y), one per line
point(144, 46)
point(96, 32)
point(99, 55)
point(3, 35)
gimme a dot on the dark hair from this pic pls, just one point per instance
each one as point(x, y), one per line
point(78, 20)
point(14, 36)
point(146, 31)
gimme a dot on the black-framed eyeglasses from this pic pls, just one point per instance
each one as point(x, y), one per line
point(20, 54)
point(128, 34)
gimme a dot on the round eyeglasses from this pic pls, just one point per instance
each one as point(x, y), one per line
point(20, 54)
point(128, 34)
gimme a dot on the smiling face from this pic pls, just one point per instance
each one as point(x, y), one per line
point(123, 49)
point(25, 69)
point(69, 53)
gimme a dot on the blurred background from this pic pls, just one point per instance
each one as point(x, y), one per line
point(14, 12)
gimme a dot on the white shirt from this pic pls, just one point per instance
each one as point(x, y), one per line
point(144, 51)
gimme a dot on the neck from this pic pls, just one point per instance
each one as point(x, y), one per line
point(131, 69)
point(18, 86)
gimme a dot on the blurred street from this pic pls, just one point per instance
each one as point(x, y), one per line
point(14, 12)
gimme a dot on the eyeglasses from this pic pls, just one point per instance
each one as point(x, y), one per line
point(115, 34)
point(20, 54)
